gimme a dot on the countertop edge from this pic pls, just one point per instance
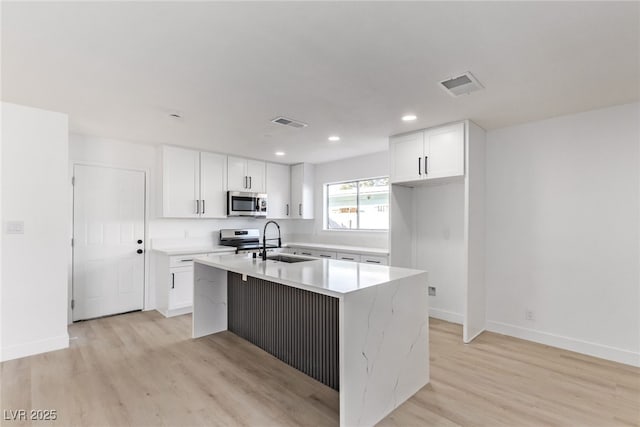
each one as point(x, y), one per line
point(312, 288)
point(195, 250)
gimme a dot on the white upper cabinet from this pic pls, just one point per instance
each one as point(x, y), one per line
point(429, 154)
point(193, 183)
point(213, 185)
point(180, 182)
point(256, 171)
point(406, 153)
point(245, 175)
point(278, 191)
point(302, 191)
point(444, 151)
point(237, 174)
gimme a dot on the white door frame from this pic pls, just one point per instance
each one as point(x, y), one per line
point(146, 304)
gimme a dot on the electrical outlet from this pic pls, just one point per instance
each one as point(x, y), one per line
point(432, 291)
point(529, 315)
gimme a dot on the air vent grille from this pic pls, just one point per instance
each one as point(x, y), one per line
point(461, 85)
point(289, 122)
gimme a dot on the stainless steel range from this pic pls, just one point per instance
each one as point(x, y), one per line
point(245, 240)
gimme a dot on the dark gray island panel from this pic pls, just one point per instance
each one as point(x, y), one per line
point(297, 326)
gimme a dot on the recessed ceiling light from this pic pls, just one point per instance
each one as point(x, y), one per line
point(280, 153)
point(334, 138)
point(409, 118)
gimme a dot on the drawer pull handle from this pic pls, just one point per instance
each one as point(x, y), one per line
point(173, 280)
point(348, 259)
point(186, 260)
point(325, 256)
point(305, 253)
point(372, 261)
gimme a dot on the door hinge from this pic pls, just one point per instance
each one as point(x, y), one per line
point(73, 180)
point(73, 304)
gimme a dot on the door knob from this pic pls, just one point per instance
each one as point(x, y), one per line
point(139, 241)
point(139, 251)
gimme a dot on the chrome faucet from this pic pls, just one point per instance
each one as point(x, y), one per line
point(264, 239)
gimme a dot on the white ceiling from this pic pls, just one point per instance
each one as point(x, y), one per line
point(351, 68)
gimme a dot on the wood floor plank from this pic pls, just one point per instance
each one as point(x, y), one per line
point(141, 369)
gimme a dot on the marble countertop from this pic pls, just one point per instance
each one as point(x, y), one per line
point(339, 248)
point(195, 250)
point(325, 276)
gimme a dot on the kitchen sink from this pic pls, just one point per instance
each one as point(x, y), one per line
point(287, 259)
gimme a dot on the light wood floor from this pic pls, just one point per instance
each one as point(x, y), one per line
point(142, 369)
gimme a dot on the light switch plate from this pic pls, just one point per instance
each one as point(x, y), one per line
point(14, 227)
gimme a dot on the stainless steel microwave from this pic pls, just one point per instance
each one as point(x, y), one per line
point(246, 204)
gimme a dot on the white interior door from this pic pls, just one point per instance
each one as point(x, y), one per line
point(108, 224)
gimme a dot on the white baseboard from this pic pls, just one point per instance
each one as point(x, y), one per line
point(448, 316)
point(592, 349)
point(35, 347)
point(474, 336)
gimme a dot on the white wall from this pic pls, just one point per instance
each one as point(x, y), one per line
point(367, 166)
point(35, 190)
point(563, 210)
point(123, 154)
point(441, 247)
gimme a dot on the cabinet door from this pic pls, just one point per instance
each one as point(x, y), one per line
point(213, 185)
point(181, 288)
point(237, 179)
point(407, 163)
point(256, 171)
point(444, 149)
point(180, 182)
point(296, 190)
point(302, 191)
point(278, 191)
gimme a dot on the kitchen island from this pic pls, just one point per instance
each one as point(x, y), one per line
point(361, 329)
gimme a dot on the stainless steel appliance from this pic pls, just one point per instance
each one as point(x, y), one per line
point(245, 240)
point(246, 204)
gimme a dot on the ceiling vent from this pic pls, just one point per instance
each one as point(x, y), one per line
point(461, 85)
point(289, 122)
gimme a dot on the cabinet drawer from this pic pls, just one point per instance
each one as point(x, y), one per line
point(370, 259)
point(182, 260)
point(303, 251)
point(325, 254)
point(348, 257)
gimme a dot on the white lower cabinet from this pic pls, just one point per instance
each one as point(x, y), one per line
point(181, 289)
point(344, 256)
point(174, 283)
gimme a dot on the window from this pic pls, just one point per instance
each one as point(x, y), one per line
point(358, 205)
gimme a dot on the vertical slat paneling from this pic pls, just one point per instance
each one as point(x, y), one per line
point(296, 326)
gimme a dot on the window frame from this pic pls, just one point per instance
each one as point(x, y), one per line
point(325, 219)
